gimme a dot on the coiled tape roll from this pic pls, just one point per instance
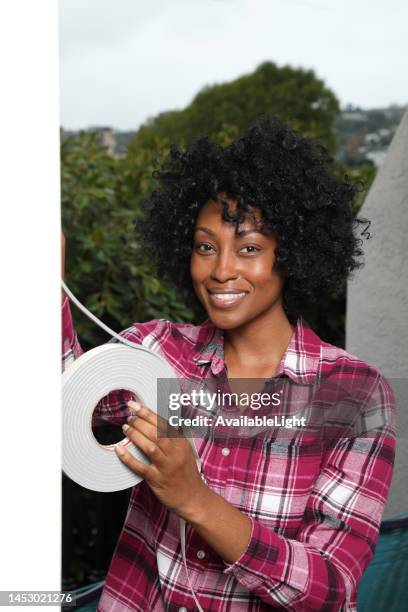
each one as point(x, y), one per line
point(90, 378)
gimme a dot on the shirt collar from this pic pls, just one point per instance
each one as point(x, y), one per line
point(300, 362)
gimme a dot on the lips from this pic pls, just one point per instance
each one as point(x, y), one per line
point(223, 299)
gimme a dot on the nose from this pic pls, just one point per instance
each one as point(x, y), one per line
point(225, 267)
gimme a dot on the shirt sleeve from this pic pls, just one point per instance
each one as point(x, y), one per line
point(321, 568)
point(71, 349)
point(113, 408)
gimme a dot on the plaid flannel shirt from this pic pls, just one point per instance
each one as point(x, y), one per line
point(315, 513)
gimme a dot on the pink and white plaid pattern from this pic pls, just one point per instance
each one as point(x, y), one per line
point(315, 515)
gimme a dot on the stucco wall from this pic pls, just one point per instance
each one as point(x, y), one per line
point(377, 299)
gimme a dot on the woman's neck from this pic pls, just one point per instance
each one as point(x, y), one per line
point(260, 343)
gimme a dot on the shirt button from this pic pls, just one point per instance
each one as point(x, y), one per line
point(183, 609)
point(200, 554)
point(225, 452)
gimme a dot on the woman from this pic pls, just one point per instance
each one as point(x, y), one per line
point(256, 231)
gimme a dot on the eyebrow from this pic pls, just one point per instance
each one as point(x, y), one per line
point(239, 233)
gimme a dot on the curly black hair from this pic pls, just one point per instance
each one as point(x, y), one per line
point(290, 178)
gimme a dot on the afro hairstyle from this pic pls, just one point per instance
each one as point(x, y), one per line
point(289, 178)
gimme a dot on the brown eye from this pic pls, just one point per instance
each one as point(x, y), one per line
point(203, 247)
point(250, 249)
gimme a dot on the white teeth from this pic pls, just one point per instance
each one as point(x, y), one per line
point(228, 296)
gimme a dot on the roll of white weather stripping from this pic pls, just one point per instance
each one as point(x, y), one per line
point(91, 377)
point(124, 365)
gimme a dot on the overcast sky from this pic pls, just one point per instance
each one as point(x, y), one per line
point(125, 60)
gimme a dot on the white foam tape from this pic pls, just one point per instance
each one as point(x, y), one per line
point(90, 378)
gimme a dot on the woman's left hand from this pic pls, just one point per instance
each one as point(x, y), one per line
point(172, 475)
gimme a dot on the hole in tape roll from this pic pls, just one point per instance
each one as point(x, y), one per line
point(110, 414)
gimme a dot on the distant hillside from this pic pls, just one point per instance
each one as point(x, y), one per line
point(363, 135)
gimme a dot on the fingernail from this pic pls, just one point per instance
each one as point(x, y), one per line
point(119, 449)
point(125, 427)
point(135, 405)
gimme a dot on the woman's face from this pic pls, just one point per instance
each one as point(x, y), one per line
point(232, 271)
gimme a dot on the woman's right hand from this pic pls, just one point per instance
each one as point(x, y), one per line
point(62, 263)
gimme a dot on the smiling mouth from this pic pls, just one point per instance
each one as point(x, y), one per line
point(224, 299)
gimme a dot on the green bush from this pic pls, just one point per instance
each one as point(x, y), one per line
point(105, 268)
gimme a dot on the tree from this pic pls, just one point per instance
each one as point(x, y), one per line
point(297, 96)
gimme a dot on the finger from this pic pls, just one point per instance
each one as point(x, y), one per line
point(162, 437)
point(144, 470)
point(143, 412)
point(147, 446)
point(146, 428)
